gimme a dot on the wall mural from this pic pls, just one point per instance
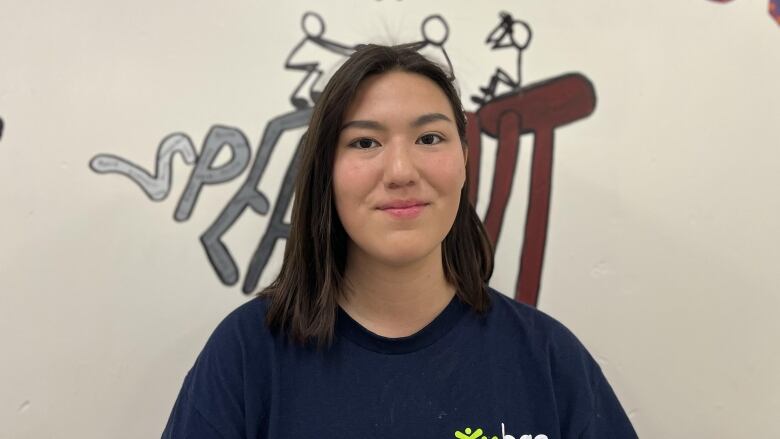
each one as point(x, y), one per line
point(774, 8)
point(507, 109)
point(537, 109)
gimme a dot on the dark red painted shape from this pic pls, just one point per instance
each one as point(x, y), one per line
point(539, 108)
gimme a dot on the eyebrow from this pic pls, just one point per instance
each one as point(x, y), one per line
point(374, 125)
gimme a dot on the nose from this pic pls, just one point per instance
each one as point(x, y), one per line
point(400, 168)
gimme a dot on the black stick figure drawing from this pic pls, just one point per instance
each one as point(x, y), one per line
point(1, 127)
point(313, 27)
point(501, 37)
point(430, 38)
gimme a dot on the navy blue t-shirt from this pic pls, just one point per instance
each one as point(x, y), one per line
point(515, 372)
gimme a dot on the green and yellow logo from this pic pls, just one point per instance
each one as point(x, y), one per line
point(478, 433)
point(468, 433)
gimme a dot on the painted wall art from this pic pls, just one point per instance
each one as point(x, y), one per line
point(507, 109)
point(773, 8)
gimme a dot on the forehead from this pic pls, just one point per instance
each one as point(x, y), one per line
point(397, 94)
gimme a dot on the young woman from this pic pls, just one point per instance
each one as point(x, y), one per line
point(381, 323)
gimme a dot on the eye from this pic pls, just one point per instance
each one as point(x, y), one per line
point(364, 143)
point(429, 139)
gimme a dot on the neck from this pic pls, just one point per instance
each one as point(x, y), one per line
point(395, 301)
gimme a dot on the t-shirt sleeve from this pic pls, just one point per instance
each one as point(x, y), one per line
point(608, 418)
point(187, 421)
point(210, 404)
point(588, 406)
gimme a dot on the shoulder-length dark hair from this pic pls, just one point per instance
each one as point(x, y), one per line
point(304, 297)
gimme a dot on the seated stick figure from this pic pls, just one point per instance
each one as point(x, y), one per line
point(313, 27)
point(503, 36)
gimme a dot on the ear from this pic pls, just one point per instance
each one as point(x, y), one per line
point(465, 155)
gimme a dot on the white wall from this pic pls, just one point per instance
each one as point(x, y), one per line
point(662, 250)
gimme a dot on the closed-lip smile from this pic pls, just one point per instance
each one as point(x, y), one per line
point(401, 204)
point(403, 209)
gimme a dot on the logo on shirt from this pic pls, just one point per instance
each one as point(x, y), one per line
point(478, 433)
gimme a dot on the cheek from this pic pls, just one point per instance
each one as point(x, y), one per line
point(341, 184)
point(351, 183)
point(448, 174)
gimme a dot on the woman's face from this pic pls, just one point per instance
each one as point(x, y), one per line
point(398, 170)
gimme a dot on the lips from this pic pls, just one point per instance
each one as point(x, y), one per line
point(401, 204)
point(404, 209)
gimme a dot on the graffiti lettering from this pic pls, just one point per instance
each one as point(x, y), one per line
point(155, 186)
point(249, 196)
point(218, 137)
point(538, 109)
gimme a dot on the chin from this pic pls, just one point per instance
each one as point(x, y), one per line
point(399, 256)
point(397, 249)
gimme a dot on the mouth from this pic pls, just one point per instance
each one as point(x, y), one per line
point(404, 209)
